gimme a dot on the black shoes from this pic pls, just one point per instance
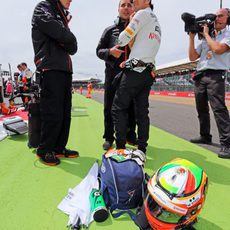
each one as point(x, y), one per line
point(107, 145)
point(202, 140)
point(67, 153)
point(224, 152)
point(132, 142)
point(51, 158)
point(48, 158)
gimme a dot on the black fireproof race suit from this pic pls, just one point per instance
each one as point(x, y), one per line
point(108, 40)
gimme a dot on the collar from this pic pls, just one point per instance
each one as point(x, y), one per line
point(146, 8)
point(63, 12)
point(120, 21)
point(222, 31)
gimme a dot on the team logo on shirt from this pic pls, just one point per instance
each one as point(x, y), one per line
point(153, 36)
point(157, 28)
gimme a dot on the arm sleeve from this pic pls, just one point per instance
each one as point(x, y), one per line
point(71, 48)
point(46, 22)
point(28, 73)
point(199, 48)
point(102, 49)
point(137, 22)
point(226, 40)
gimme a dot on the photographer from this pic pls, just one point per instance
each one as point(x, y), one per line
point(214, 54)
point(27, 75)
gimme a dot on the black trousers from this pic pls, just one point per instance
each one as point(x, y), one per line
point(210, 87)
point(135, 87)
point(55, 109)
point(108, 120)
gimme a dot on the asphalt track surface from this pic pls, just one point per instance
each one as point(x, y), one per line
point(177, 116)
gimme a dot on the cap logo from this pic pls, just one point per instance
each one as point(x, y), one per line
point(181, 171)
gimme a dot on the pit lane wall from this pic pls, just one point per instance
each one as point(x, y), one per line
point(167, 93)
point(181, 94)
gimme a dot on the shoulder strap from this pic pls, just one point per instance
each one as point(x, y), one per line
point(121, 212)
point(138, 218)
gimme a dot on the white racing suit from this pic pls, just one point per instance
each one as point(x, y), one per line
point(144, 31)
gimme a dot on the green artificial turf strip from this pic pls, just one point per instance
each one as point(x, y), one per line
point(31, 191)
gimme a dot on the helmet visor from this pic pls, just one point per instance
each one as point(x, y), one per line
point(160, 213)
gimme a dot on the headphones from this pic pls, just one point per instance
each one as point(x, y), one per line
point(228, 20)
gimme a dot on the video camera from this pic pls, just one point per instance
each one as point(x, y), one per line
point(34, 88)
point(195, 25)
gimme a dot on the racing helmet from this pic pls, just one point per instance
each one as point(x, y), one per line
point(176, 195)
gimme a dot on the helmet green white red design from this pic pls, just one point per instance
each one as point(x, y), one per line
point(176, 194)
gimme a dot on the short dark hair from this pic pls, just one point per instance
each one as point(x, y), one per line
point(131, 1)
point(23, 63)
point(151, 5)
point(228, 11)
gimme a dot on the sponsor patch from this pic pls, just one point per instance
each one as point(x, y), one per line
point(129, 31)
point(136, 20)
point(153, 36)
point(157, 28)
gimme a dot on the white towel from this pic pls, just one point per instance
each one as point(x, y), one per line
point(3, 132)
point(76, 203)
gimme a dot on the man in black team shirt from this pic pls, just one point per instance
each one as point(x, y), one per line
point(53, 44)
point(113, 56)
